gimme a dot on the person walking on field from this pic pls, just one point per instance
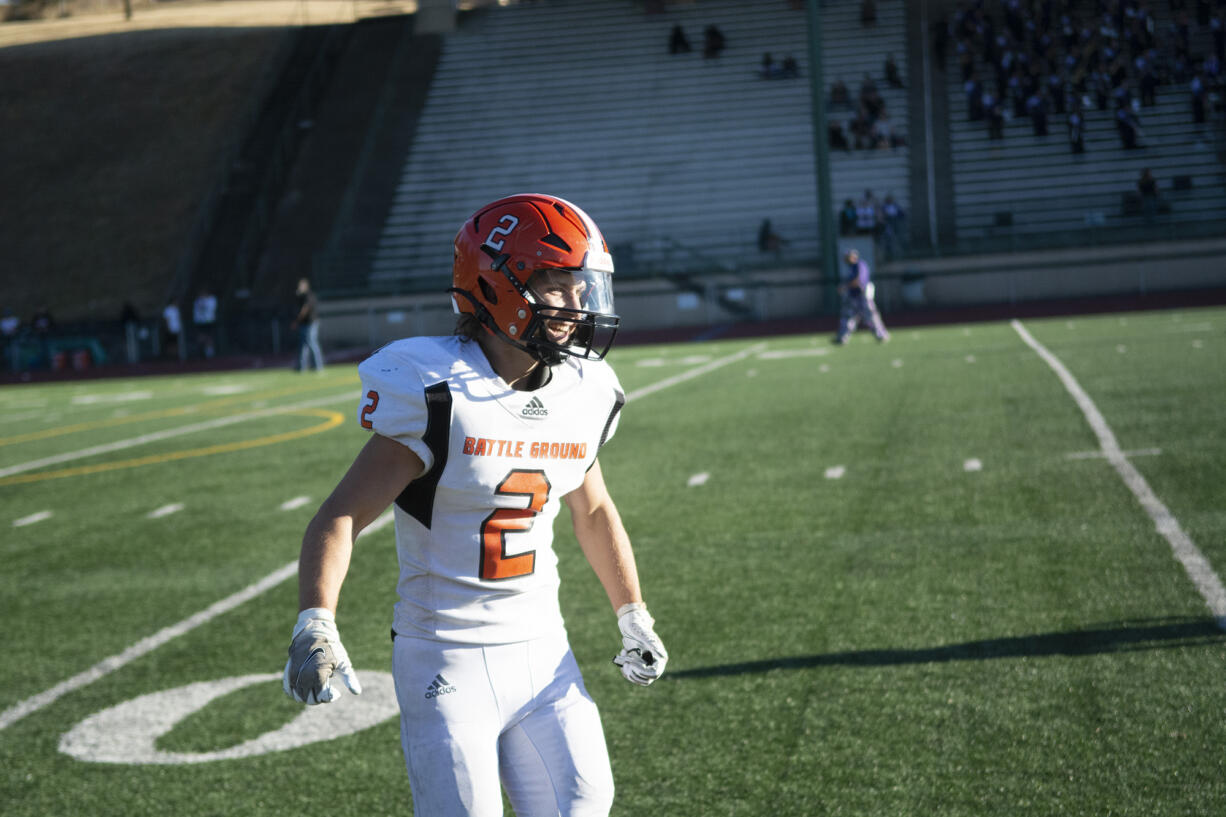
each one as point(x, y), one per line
point(856, 299)
point(477, 441)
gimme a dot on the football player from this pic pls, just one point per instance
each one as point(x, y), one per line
point(477, 440)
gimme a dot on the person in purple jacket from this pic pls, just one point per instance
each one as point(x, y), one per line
point(856, 299)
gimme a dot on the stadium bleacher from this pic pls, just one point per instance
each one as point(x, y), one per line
point(583, 99)
point(1025, 185)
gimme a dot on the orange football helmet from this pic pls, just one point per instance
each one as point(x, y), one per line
point(535, 271)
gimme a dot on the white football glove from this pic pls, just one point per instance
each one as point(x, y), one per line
point(315, 654)
point(643, 656)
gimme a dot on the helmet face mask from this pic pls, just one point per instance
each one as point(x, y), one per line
point(572, 314)
point(536, 272)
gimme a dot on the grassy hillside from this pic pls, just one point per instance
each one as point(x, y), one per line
point(111, 142)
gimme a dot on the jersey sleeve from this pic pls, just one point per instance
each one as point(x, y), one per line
point(394, 400)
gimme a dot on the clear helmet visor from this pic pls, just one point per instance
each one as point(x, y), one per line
point(573, 311)
point(587, 289)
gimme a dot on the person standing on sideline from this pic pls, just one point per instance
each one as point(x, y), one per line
point(204, 316)
point(856, 299)
point(307, 324)
point(478, 439)
point(172, 329)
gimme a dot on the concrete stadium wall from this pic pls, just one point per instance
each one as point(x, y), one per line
point(1116, 270)
point(657, 303)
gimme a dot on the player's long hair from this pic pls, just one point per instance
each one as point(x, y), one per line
point(468, 327)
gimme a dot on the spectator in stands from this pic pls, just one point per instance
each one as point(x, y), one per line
point(893, 232)
point(887, 137)
point(838, 139)
point(677, 42)
point(42, 321)
point(847, 218)
point(1112, 54)
point(861, 128)
point(713, 41)
point(868, 12)
point(870, 99)
point(974, 98)
point(172, 328)
point(1212, 69)
point(1018, 93)
point(879, 138)
point(306, 321)
point(1057, 93)
point(1128, 127)
point(1101, 89)
point(1199, 95)
point(1148, 83)
point(129, 316)
point(966, 61)
point(769, 69)
point(839, 97)
point(791, 68)
point(204, 316)
point(1036, 109)
point(770, 241)
point(1217, 30)
point(892, 76)
point(9, 326)
point(129, 319)
point(856, 299)
point(1076, 129)
point(1183, 36)
point(867, 214)
point(996, 116)
point(43, 326)
point(1147, 187)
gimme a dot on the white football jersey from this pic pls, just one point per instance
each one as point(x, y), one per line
point(474, 533)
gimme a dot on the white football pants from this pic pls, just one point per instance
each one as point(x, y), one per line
point(472, 717)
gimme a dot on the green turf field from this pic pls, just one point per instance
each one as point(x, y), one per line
point(894, 579)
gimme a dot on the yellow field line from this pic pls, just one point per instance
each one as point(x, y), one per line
point(164, 413)
point(332, 420)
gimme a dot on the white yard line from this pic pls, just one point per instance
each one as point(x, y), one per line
point(33, 518)
point(1207, 582)
point(1091, 455)
point(668, 382)
point(167, 434)
point(165, 510)
point(108, 665)
point(147, 645)
point(787, 354)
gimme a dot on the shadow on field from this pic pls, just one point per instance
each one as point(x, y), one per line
point(1126, 636)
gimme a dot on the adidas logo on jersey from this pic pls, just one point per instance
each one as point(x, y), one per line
point(535, 408)
point(439, 686)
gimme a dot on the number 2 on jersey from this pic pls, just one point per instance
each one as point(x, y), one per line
point(495, 564)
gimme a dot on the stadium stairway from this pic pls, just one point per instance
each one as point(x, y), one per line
point(677, 157)
point(239, 212)
point(340, 142)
